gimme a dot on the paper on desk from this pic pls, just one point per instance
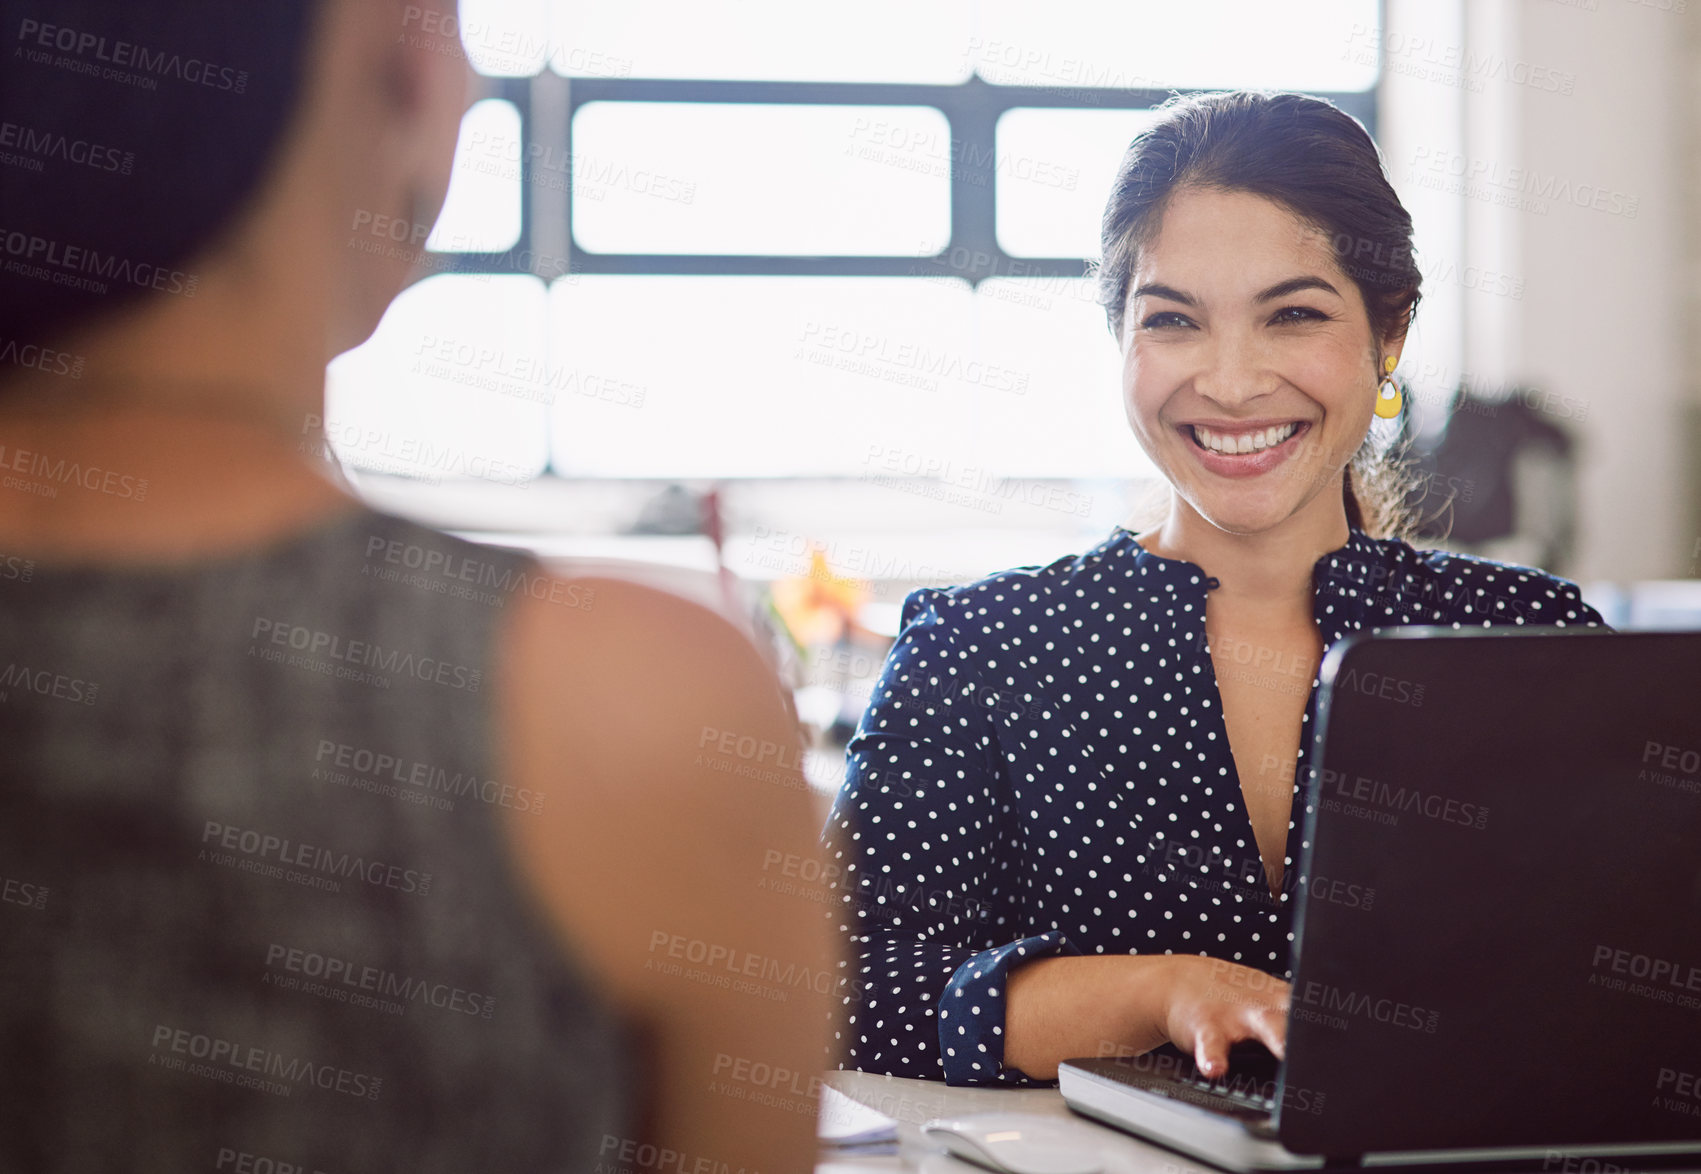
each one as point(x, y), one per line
point(844, 1122)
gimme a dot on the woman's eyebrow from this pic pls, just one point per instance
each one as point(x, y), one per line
point(1293, 285)
point(1280, 290)
point(1170, 293)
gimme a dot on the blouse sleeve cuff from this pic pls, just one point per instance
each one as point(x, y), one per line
point(971, 1011)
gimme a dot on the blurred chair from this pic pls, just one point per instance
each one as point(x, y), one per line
point(1500, 482)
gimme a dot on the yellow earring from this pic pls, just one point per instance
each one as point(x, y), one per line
point(1389, 401)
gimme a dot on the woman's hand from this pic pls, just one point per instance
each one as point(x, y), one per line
point(1211, 1004)
point(1124, 1005)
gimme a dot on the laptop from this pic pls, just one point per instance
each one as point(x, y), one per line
point(1523, 984)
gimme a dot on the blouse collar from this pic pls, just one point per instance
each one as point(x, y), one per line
point(1346, 582)
point(1343, 573)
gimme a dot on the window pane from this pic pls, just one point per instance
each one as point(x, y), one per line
point(878, 379)
point(1147, 44)
point(1055, 169)
point(449, 386)
point(505, 38)
point(481, 213)
point(773, 40)
point(754, 376)
point(1070, 421)
point(668, 177)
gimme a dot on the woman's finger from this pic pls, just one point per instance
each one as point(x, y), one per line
point(1210, 1051)
point(1270, 1025)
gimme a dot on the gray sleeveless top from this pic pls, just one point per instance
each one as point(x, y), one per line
point(256, 902)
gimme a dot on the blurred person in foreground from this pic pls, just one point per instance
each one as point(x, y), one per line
point(312, 858)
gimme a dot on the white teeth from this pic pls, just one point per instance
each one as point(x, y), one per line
point(1245, 441)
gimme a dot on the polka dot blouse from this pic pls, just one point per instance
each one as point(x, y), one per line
point(1040, 746)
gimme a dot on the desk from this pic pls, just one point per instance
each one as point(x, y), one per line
point(912, 1102)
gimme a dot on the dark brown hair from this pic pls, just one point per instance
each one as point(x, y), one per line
point(1320, 164)
point(154, 124)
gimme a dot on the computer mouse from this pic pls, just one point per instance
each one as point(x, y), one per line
point(1017, 1143)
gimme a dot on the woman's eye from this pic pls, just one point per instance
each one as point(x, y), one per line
point(1164, 318)
point(1299, 314)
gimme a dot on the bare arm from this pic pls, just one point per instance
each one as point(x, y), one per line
point(671, 774)
point(1060, 1008)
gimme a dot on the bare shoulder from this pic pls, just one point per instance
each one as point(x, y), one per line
point(619, 673)
point(669, 764)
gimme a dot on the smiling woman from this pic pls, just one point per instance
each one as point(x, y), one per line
point(1255, 363)
point(1104, 865)
point(1290, 169)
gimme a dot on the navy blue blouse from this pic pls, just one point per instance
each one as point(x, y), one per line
point(1043, 769)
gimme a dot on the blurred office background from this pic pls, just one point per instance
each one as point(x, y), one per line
point(798, 289)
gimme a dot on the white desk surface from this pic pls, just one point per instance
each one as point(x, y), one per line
point(912, 1102)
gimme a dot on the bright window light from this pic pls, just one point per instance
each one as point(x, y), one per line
point(481, 213)
point(1069, 420)
point(756, 376)
point(505, 38)
point(669, 177)
point(451, 385)
point(849, 377)
point(1055, 169)
point(764, 40)
point(1155, 44)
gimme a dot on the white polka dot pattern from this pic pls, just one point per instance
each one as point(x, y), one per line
point(1043, 769)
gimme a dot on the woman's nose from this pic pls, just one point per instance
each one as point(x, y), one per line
point(1232, 372)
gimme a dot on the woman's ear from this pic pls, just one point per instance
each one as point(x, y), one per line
point(391, 86)
point(427, 83)
point(1395, 342)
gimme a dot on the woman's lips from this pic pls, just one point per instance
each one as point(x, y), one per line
point(1246, 464)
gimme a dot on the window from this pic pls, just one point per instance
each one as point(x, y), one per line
point(770, 240)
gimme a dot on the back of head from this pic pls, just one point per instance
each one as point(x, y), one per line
point(132, 135)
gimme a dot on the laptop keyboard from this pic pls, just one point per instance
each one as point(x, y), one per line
point(1246, 1091)
point(1234, 1087)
